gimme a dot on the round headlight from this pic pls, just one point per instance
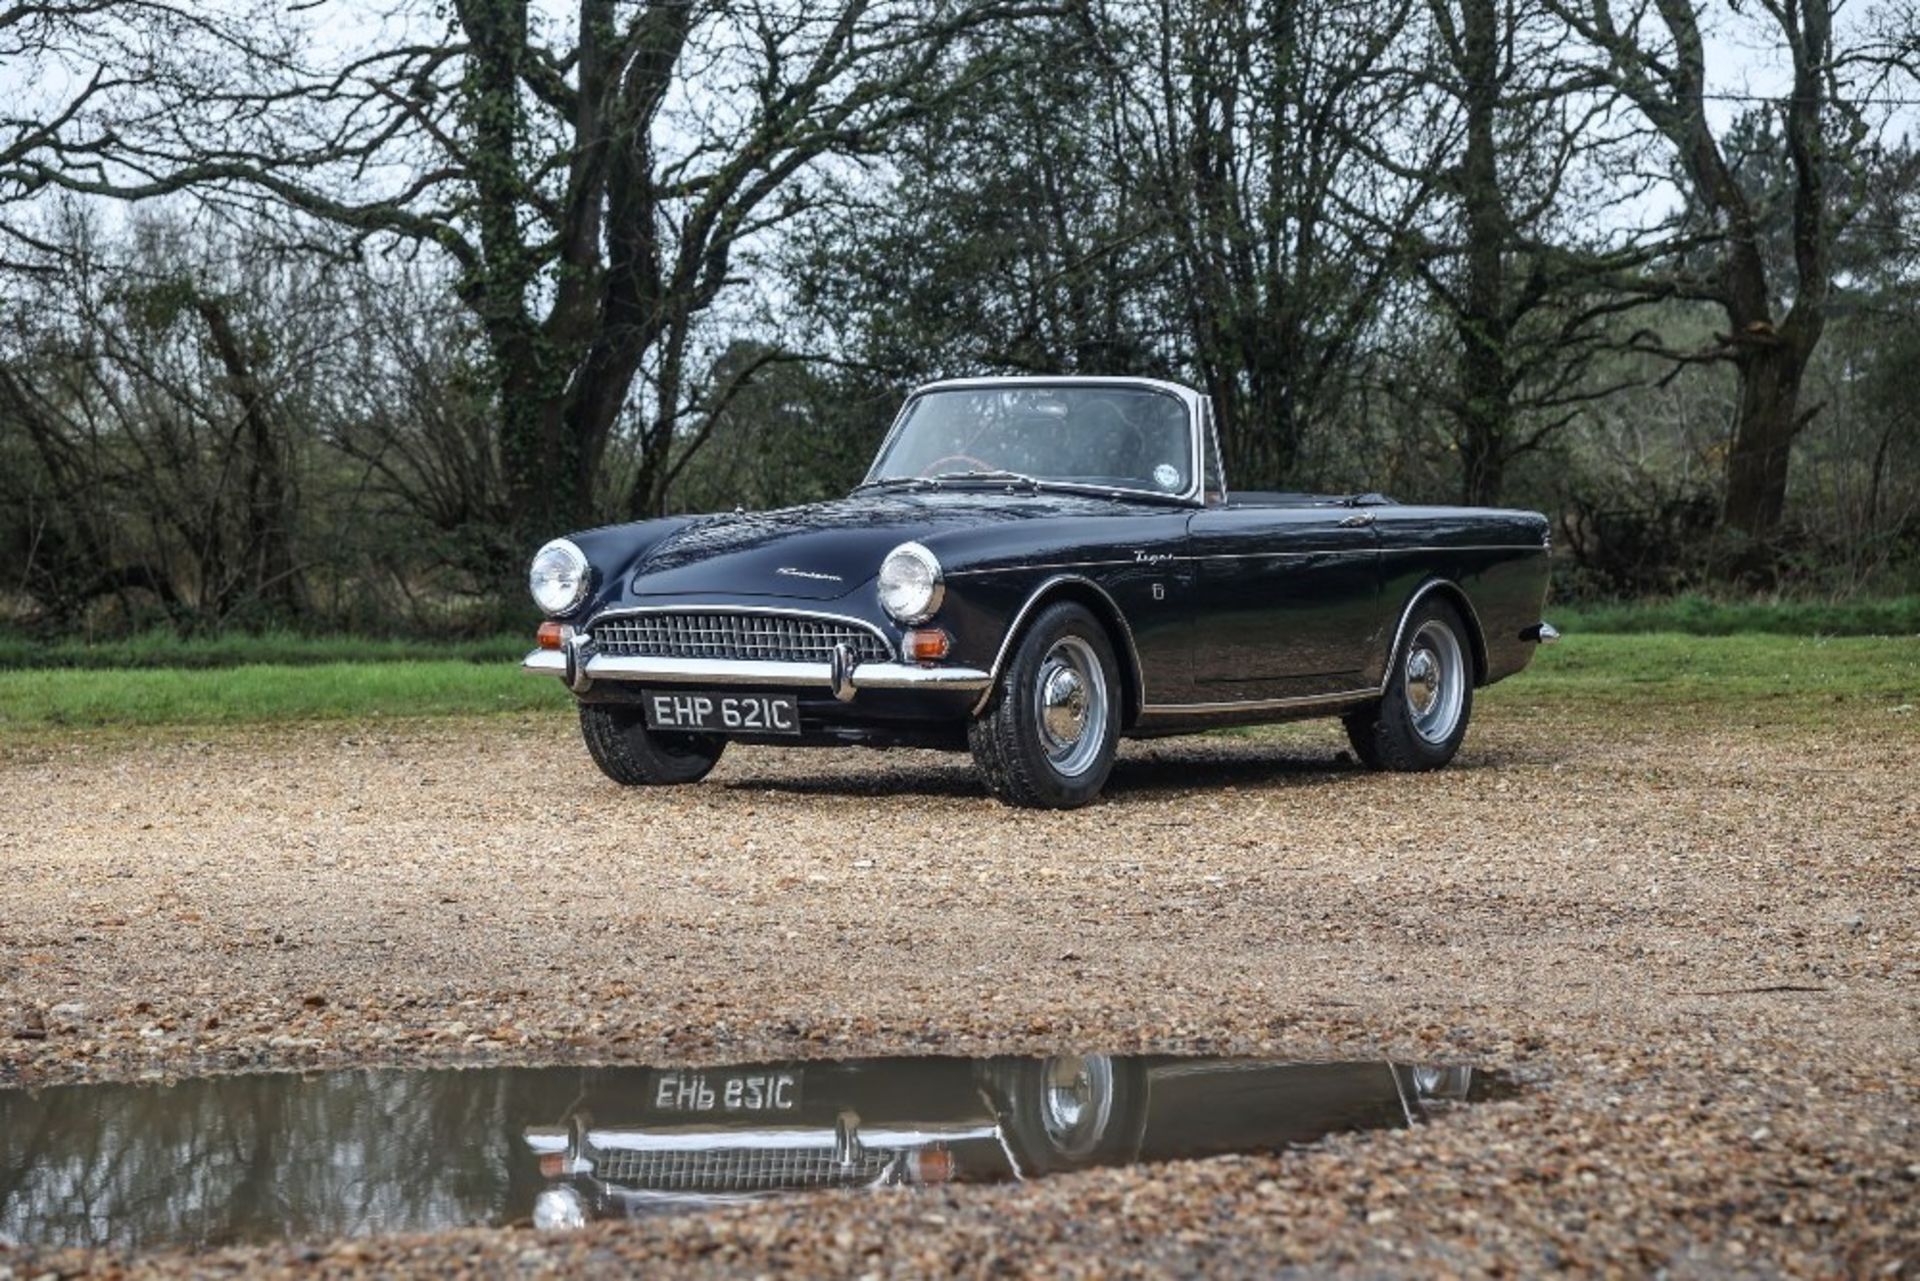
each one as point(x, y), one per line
point(559, 1209)
point(558, 578)
point(910, 587)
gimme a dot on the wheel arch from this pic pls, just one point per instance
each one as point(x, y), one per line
point(1454, 594)
point(1100, 603)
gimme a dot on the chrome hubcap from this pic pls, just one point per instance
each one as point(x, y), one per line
point(1435, 681)
point(1423, 681)
point(1077, 1101)
point(1070, 705)
point(1065, 699)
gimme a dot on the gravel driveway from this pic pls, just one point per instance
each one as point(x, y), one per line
point(1700, 946)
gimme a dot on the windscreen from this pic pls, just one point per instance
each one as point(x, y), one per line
point(1112, 437)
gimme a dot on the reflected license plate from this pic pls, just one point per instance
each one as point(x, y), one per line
point(726, 1092)
point(724, 713)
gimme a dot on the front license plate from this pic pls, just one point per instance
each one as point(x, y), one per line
point(724, 713)
point(726, 1092)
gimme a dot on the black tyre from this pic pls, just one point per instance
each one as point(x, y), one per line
point(1047, 739)
point(629, 753)
point(1070, 1111)
point(1421, 720)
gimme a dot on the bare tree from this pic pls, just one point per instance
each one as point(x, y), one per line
point(156, 399)
point(1008, 231)
point(1241, 121)
point(593, 184)
point(1516, 140)
point(1838, 73)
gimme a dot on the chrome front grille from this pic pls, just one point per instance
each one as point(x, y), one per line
point(737, 1169)
point(779, 638)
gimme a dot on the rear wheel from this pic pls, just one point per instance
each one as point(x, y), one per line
point(1049, 737)
point(1421, 720)
point(631, 754)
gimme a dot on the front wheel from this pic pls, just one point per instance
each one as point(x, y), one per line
point(1421, 720)
point(1048, 739)
point(631, 754)
point(1070, 1111)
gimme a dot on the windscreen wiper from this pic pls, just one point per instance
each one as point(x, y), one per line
point(892, 482)
point(993, 474)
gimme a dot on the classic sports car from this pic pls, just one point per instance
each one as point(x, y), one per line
point(1033, 568)
point(636, 1142)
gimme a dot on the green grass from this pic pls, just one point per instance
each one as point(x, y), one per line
point(1660, 678)
point(269, 692)
point(1672, 680)
point(167, 650)
point(1690, 615)
point(1700, 616)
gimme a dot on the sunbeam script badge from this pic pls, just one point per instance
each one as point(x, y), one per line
point(791, 572)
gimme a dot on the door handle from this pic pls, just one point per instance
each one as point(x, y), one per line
point(1356, 521)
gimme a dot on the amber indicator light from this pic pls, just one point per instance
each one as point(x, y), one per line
point(928, 644)
point(932, 1165)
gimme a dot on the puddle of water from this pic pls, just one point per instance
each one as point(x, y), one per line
point(248, 1158)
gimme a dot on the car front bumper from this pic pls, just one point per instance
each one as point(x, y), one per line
point(580, 667)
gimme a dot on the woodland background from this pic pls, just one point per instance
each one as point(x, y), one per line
point(322, 317)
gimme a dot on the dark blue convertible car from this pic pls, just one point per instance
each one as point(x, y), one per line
point(1034, 568)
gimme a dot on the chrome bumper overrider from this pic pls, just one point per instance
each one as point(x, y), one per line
point(581, 667)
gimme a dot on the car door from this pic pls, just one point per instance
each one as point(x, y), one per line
point(1286, 600)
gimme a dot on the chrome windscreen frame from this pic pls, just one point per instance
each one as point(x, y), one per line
point(1194, 403)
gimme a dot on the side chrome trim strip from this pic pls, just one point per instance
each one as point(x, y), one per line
point(1025, 568)
point(1261, 704)
point(1468, 547)
point(1020, 618)
point(1323, 552)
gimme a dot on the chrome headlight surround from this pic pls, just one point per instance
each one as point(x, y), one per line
point(559, 578)
point(910, 586)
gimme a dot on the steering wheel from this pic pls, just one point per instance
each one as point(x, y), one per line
point(1104, 423)
point(933, 468)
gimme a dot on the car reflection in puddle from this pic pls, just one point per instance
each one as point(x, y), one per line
point(248, 1158)
point(693, 1139)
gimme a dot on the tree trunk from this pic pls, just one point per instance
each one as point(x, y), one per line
point(1485, 412)
point(271, 576)
point(539, 456)
point(1765, 422)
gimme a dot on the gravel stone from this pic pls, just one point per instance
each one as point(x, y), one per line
point(1699, 948)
